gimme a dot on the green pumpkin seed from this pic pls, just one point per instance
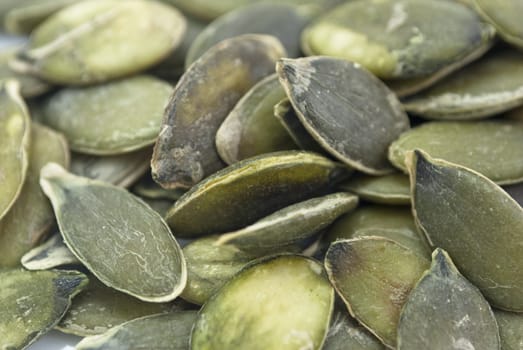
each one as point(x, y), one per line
point(400, 39)
point(387, 189)
point(120, 170)
point(185, 151)
point(386, 269)
point(489, 86)
point(168, 331)
point(344, 123)
point(345, 333)
point(492, 148)
point(24, 18)
point(110, 119)
point(406, 87)
point(445, 311)
point(89, 42)
point(210, 9)
point(510, 329)
point(209, 267)
point(99, 308)
point(30, 86)
point(504, 15)
point(293, 303)
point(122, 241)
point(475, 221)
point(31, 217)
point(396, 224)
point(251, 129)
point(249, 190)
point(292, 225)
point(287, 117)
point(52, 253)
point(32, 302)
point(15, 129)
point(282, 21)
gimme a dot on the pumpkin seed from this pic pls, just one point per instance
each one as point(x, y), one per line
point(345, 333)
point(386, 189)
point(388, 271)
point(168, 331)
point(286, 115)
point(99, 308)
point(344, 123)
point(249, 190)
point(185, 151)
point(504, 15)
point(31, 217)
point(294, 303)
point(282, 21)
point(290, 226)
point(445, 311)
point(32, 302)
point(51, 253)
point(88, 42)
point(29, 14)
point(251, 129)
point(406, 87)
point(475, 221)
point(489, 86)
point(510, 329)
point(209, 267)
point(493, 148)
point(396, 224)
point(114, 118)
point(15, 129)
point(400, 39)
point(122, 241)
point(120, 170)
point(146, 187)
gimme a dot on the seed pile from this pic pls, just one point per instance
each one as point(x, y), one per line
point(198, 174)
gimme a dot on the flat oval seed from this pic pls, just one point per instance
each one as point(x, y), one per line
point(386, 189)
point(510, 329)
point(169, 331)
point(292, 308)
point(475, 221)
point(209, 267)
point(249, 190)
point(292, 225)
point(331, 98)
point(396, 224)
point(445, 311)
point(251, 129)
point(120, 239)
point(90, 41)
point(493, 148)
point(489, 86)
point(185, 151)
point(504, 15)
point(120, 170)
point(114, 118)
point(52, 253)
point(345, 333)
point(32, 303)
point(31, 217)
point(400, 39)
point(386, 269)
point(15, 130)
point(99, 308)
point(282, 21)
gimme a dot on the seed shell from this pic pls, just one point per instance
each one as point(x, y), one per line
point(292, 308)
point(475, 221)
point(120, 239)
point(330, 97)
point(386, 189)
point(445, 311)
point(185, 151)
